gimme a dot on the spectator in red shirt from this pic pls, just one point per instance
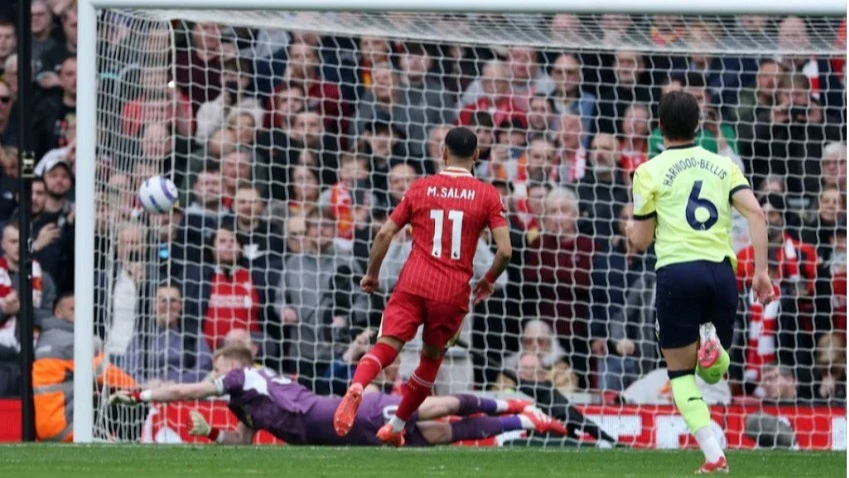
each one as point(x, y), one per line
point(198, 67)
point(222, 294)
point(557, 277)
point(496, 95)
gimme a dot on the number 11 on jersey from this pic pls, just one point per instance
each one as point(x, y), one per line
point(456, 218)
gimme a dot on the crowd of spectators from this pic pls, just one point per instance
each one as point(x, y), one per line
point(291, 148)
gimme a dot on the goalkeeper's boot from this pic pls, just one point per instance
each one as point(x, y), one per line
point(516, 406)
point(389, 436)
point(346, 412)
point(713, 360)
point(719, 466)
point(542, 422)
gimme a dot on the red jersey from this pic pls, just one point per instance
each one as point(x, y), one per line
point(447, 212)
point(233, 304)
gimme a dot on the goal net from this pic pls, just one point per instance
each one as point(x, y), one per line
point(291, 136)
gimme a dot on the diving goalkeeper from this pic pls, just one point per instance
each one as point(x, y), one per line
point(264, 401)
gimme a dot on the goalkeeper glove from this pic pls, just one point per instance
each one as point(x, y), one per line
point(129, 397)
point(200, 427)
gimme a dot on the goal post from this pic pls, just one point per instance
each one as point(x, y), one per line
point(96, 106)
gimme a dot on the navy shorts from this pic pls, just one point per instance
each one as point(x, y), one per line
point(690, 294)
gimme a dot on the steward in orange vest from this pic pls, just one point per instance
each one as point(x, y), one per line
point(53, 374)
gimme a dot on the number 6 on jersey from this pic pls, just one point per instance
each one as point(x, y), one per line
point(456, 218)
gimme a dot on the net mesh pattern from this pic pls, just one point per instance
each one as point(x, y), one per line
point(291, 136)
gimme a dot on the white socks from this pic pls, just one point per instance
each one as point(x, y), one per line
point(709, 444)
point(397, 424)
point(527, 424)
point(500, 406)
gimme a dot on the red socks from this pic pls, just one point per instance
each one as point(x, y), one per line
point(379, 357)
point(418, 387)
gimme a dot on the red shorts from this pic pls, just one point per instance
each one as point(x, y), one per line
point(406, 312)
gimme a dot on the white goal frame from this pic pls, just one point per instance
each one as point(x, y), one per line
point(87, 112)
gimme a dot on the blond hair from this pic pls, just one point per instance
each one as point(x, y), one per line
point(238, 352)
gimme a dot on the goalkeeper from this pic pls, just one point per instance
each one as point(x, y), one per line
point(264, 401)
point(683, 199)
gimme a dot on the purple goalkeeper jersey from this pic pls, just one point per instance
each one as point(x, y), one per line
point(291, 412)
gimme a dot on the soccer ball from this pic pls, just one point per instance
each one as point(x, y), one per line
point(158, 194)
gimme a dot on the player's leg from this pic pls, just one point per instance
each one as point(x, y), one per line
point(401, 319)
point(478, 428)
point(464, 405)
point(442, 321)
point(419, 387)
point(683, 295)
point(717, 334)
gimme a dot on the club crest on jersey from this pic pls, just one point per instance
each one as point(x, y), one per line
point(451, 193)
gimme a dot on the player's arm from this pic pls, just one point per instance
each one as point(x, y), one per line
point(744, 200)
point(500, 228)
point(398, 219)
point(503, 253)
point(639, 230)
point(242, 435)
point(381, 245)
point(168, 393)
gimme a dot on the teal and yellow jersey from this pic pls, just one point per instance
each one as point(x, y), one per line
point(688, 189)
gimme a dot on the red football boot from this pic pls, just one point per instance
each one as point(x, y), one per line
point(719, 466)
point(388, 436)
point(346, 412)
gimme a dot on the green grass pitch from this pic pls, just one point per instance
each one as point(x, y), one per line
point(132, 461)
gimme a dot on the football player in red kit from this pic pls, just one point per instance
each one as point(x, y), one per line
point(447, 213)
